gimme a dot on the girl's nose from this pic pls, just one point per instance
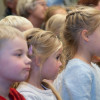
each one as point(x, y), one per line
point(60, 63)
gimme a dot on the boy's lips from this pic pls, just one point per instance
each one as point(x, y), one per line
point(28, 68)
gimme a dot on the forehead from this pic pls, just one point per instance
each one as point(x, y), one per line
point(40, 1)
point(59, 51)
point(60, 11)
point(13, 44)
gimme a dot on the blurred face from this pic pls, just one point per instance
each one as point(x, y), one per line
point(14, 63)
point(40, 9)
point(12, 5)
point(94, 42)
point(98, 6)
point(60, 11)
point(51, 66)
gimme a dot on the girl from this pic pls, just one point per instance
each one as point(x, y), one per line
point(53, 10)
point(81, 78)
point(44, 50)
point(54, 26)
point(14, 63)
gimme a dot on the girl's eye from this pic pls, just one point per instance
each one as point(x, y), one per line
point(58, 57)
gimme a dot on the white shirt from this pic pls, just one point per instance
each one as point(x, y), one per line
point(32, 93)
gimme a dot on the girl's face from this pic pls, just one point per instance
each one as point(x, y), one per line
point(14, 63)
point(94, 42)
point(51, 66)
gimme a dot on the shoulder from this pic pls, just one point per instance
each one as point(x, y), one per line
point(15, 94)
point(32, 93)
point(28, 91)
point(78, 66)
point(77, 70)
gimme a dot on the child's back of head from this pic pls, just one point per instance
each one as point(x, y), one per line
point(18, 22)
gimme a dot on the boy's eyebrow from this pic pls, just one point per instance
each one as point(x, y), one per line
point(21, 50)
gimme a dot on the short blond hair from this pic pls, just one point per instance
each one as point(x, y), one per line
point(15, 21)
point(51, 11)
point(9, 33)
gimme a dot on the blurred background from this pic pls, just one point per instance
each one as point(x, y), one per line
point(2, 9)
point(2, 6)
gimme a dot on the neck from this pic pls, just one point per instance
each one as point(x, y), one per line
point(35, 21)
point(35, 78)
point(13, 11)
point(86, 58)
point(4, 88)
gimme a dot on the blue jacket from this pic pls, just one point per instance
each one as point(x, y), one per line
point(79, 81)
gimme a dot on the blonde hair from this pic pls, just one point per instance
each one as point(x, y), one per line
point(56, 23)
point(50, 86)
point(23, 7)
point(8, 33)
point(77, 20)
point(51, 11)
point(43, 43)
point(16, 21)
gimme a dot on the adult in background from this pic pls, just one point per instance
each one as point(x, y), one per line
point(33, 10)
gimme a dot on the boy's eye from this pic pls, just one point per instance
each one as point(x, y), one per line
point(19, 54)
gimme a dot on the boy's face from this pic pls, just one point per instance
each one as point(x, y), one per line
point(52, 65)
point(14, 63)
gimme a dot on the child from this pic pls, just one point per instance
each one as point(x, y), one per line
point(54, 26)
point(18, 22)
point(81, 78)
point(52, 10)
point(44, 50)
point(14, 63)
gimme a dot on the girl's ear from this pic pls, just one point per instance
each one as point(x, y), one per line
point(84, 35)
point(37, 61)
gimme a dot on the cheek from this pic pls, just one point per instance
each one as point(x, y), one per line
point(9, 69)
point(13, 65)
point(54, 66)
point(41, 10)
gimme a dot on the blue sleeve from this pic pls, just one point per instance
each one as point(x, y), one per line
point(77, 83)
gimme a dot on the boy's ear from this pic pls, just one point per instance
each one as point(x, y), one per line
point(84, 35)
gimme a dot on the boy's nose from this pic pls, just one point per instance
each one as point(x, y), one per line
point(28, 61)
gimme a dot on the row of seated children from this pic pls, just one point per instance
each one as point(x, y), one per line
point(79, 80)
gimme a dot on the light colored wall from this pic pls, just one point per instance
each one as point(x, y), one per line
point(2, 9)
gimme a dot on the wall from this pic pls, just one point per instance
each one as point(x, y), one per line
point(2, 9)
